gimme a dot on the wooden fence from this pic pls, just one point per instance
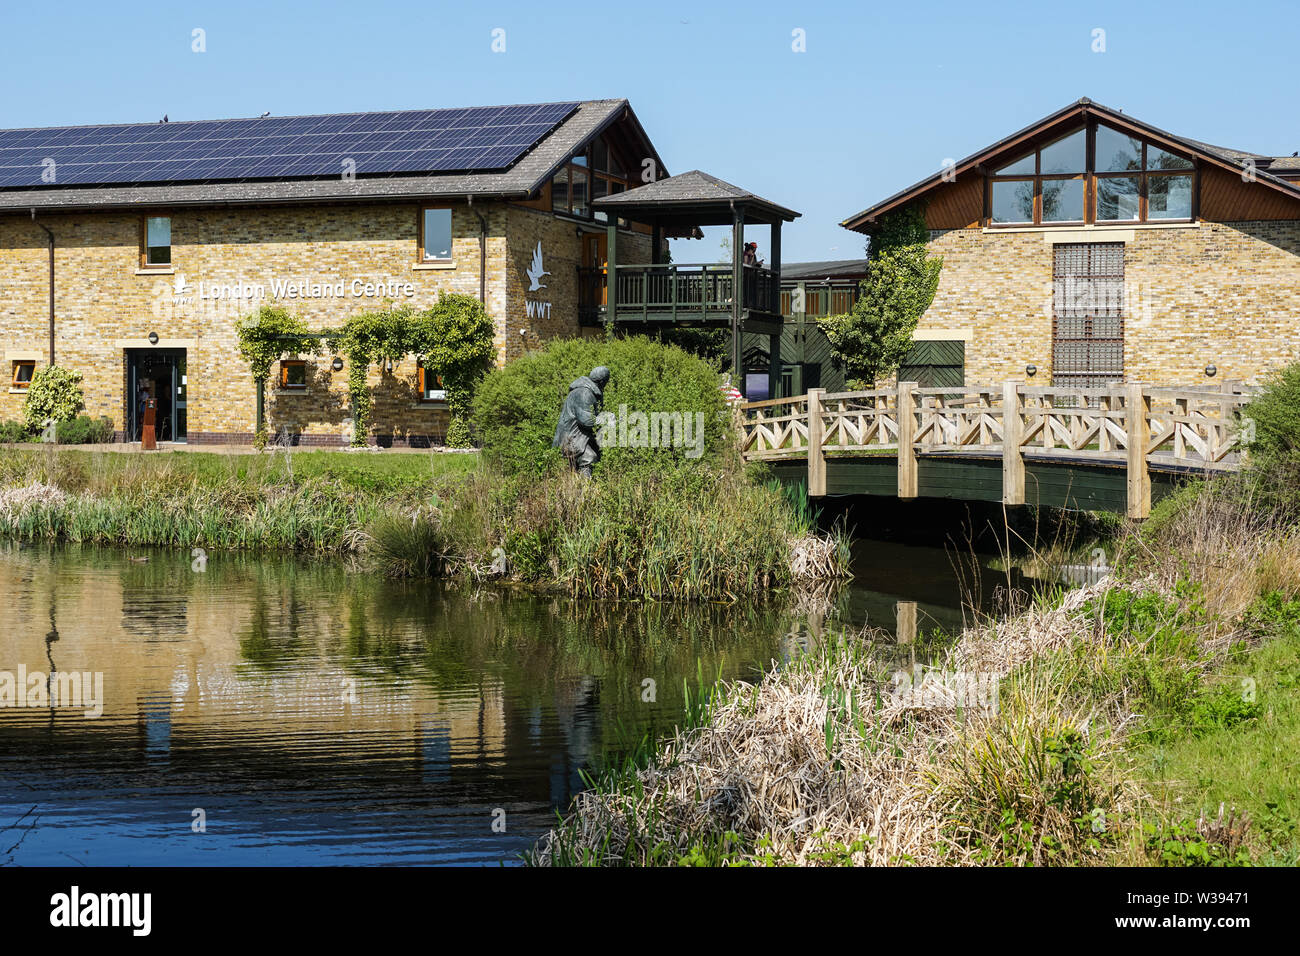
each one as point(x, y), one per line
point(1136, 427)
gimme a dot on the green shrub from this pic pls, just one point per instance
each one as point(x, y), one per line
point(517, 407)
point(84, 430)
point(55, 393)
point(14, 432)
point(1275, 413)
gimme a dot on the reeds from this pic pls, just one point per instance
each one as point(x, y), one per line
point(825, 762)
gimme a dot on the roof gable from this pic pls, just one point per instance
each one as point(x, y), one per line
point(1062, 120)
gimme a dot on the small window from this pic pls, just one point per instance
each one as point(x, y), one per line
point(431, 389)
point(435, 235)
point(293, 374)
point(23, 372)
point(157, 242)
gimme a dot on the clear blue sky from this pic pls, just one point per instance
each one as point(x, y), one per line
point(882, 96)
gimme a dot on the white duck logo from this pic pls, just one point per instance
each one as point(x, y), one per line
point(535, 271)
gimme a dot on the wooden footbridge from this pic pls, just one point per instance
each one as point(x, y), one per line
point(1102, 449)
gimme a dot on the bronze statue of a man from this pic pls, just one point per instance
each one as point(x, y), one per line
point(575, 435)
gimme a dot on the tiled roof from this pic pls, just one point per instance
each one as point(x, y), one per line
point(823, 270)
point(690, 189)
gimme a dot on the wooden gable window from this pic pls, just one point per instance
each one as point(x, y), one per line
point(23, 370)
point(155, 242)
point(431, 387)
point(293, 374)
point(435, 234)
point(1137, 181)
point(1045, 186)
point(1094, 174)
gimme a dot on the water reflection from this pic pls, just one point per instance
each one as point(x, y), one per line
point(316, 715)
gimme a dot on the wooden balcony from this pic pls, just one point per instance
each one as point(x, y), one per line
point(820, 299)
point(681, 294)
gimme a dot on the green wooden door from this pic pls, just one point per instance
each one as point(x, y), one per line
point(935, 364)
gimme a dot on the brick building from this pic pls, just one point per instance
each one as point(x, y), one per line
point(1091, 247)
point(164, 235)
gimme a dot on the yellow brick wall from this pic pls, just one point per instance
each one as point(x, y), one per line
point(103, 303)
point(1226, 294)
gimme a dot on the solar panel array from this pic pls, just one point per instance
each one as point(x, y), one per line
point(408, 141)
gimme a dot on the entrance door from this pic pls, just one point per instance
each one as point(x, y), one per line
point(159, 374)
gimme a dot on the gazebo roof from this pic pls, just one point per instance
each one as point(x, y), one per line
point(693, 199)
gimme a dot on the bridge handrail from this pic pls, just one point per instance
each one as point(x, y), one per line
point(1133, 425)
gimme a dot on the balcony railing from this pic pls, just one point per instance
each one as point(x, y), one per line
point(819, 299)
point(678, 292)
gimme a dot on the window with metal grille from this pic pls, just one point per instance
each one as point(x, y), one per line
point(1088, 314)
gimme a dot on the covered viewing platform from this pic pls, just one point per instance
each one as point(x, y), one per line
point(650, 295)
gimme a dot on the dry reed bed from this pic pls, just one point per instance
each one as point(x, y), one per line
point(821, 762)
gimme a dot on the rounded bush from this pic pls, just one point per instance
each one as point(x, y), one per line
point(517, 407)
point(54, 394)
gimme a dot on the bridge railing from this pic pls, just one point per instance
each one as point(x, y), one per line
point(1134, 426)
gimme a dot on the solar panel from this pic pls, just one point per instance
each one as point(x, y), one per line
point(447, 140)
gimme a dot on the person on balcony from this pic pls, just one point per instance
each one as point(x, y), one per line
point(750, 256)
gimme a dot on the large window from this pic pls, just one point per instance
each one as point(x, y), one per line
point(1046, 185)
point(435, 235)
point(595, 173)
point(1093, 174)
point(156, 242)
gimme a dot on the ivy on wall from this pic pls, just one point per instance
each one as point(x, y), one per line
point(453, 339)
point(264, 337)
point(871, 340)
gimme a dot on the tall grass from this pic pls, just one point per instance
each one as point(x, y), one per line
point(209, 501)
point(676, 533)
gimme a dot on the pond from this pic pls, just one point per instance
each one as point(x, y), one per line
point(287, 712)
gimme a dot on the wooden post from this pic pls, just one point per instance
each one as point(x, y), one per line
point(611, 280)
point(774, 352)
point(1138, 419)
point(816, 459)
point(1227, 418)
point(737, 288)
point(907, 480)
point(148, 439)
point(1013, 459)
point(905, 622)
point(774, 366)
point(261, 404)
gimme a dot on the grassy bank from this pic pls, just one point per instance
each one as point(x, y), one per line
point(305, 501)
point(673, 531)
point(1151, 718)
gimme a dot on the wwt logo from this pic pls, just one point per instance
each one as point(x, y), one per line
point(75, 909)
